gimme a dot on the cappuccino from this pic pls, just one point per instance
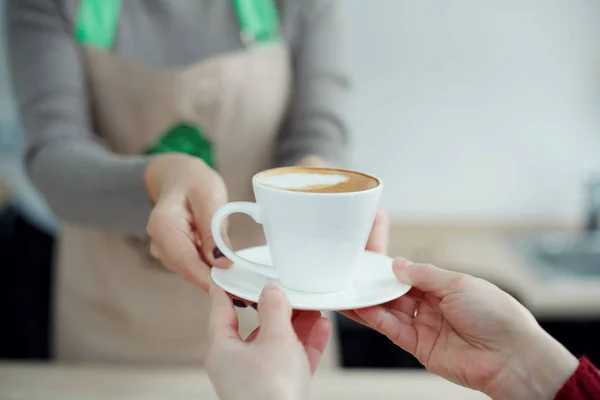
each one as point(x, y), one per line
point(317, 180)
point(316, 221)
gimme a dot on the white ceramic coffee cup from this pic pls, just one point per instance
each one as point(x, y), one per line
point(314, 239)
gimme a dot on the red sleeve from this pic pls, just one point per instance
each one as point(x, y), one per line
point(584, 384)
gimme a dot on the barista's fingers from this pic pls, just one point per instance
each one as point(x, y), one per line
point(171, 242)
point(154, 251)
point(379, 237)
point(203, 203)
point(211, 253)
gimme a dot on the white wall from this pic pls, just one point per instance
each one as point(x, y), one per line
point(477, 108)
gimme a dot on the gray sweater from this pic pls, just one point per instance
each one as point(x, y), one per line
point(87, 184)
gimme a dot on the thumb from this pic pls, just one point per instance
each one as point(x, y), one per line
point(427, 278)
point(203, 204)
point(208, 248)
point(223, 321)
point(274, 314)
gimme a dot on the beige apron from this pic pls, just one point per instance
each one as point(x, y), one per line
point(114, 303)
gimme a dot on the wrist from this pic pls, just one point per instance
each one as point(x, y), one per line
point(538, 368)
point(159, 176)
point(554, 367)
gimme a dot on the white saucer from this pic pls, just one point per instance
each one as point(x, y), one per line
point(374, 283)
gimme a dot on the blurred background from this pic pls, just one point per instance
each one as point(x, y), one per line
point(25, 295)
point(483, 121)
point(482, 118)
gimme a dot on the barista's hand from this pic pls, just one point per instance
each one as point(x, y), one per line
point(275, 362)
point(186, 193)
point(470, 332)
point(380, 234)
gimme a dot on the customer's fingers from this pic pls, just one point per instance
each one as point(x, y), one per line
point(403, 308)
point(295, 315)
point(427, 278)
point(304, 323)
point(316, 342)
point(379, 237)
point(405, 304)
point(173, 243)
point(274, 314)
point(398, 330)
point(223, 321)
point(252, 336)
point(351, 314)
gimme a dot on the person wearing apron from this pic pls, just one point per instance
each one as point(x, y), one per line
point(143, 117)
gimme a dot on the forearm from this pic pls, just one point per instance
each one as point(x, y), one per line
point(83, 182)
point(317, 120)
point(88, 185)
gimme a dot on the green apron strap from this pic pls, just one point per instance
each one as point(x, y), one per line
point(97, 22)
point(259, 21)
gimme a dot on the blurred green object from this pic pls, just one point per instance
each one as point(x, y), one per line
point(259, 21)
point(186, 139)
point(97, 22)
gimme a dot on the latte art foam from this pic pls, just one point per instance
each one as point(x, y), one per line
point(316, 180)
point(302, 180)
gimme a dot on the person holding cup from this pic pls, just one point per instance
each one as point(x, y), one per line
point(143, 118)
point(461, 328)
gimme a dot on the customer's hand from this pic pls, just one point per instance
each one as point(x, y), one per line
point(186, 193)
point(470, 332)
point(276, 361)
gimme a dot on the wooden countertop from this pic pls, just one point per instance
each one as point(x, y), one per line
point(49, 382)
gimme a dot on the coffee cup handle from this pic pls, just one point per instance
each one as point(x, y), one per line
point(251, 209)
